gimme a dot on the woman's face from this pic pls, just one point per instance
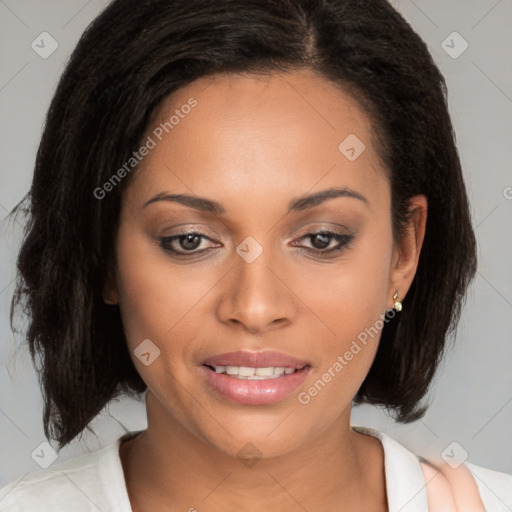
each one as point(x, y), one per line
point(250, 151)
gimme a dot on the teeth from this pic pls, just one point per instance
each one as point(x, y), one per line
point(265, 372)
point(246, 372)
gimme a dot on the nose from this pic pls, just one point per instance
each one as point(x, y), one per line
point(256, 296)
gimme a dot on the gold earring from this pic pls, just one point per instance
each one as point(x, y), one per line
point(108, 300)
point(398, 305)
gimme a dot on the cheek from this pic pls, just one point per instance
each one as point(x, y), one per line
point(351, 295)
point(351, 302)
point(155, 296)
point(158, 302)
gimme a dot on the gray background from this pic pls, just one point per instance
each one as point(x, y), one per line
point(472, 395)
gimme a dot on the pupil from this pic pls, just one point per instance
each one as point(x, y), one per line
point(189, 239)
point(325, 239)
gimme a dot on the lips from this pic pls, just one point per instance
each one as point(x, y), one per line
point(256, 360)
point(235, 376)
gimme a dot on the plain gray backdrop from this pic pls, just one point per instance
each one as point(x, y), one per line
point(471, 398)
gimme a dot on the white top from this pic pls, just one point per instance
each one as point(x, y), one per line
point(95, 482)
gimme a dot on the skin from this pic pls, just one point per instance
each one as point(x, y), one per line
point(253, 144)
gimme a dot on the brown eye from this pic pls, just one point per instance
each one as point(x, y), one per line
point(321, 240)
point(184, 243)
point(189, 242)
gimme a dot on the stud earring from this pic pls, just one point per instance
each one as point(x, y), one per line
point(108, 300)
point(398, 305)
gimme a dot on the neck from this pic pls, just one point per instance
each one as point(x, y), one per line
point(338, 469)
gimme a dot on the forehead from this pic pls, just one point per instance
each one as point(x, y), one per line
point(280, 133)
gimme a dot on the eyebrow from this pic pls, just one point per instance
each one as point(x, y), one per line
point(297, 204)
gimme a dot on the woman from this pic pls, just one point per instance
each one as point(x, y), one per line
point(254, 213)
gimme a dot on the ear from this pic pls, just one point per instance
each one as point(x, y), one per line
point(407, 250)
point(110, 292)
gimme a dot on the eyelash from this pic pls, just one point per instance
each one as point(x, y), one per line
point(344, 241)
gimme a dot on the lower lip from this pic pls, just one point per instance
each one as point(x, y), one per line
point(254, 392)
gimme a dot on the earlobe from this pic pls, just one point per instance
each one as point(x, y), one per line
point(398, 305)
point(109, 300)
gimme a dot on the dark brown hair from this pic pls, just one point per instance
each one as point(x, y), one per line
point(130, 58)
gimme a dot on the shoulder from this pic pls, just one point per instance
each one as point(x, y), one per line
point(495, 487)
point(79, 484)
point(412, 481)
point(467, 487)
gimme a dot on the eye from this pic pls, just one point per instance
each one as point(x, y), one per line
point(189, 244)
point(321, 241)
point(184, 243)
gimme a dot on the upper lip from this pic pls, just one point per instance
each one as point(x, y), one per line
point(265, 359)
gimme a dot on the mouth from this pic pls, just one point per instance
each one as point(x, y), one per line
point(252, 373)
point(254, 378)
